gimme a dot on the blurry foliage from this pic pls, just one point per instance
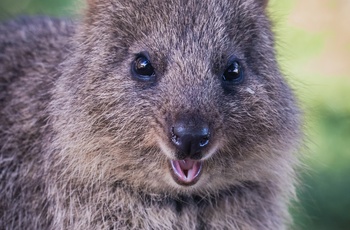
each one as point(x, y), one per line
point(324, 192)
point(10, 8)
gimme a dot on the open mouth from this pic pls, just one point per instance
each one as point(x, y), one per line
point(186, 172)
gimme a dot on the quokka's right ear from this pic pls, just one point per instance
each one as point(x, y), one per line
point(91, 2)
point(91, 9)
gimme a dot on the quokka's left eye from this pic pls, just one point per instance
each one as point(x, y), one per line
point(233, 73)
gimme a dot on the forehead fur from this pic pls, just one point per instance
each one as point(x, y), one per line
point(131, 20)
point(205, 28)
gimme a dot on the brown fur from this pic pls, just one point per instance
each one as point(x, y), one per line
point(85, 146)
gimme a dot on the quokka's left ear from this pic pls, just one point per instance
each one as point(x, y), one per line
point(260, 3)
point(263, 3)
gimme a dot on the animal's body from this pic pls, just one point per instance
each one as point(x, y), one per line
point(146, 115)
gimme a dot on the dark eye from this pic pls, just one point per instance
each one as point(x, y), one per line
point(233, 73)
point(142, 68)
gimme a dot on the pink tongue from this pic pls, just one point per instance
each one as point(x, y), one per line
point(186, 164)
point(186, 170)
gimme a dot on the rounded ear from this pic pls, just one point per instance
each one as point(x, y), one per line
point(262, 3)
point(91, 7)
point(91, 3)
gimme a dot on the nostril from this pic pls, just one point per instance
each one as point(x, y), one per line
point(204, 142)
point(174, 137)
point(190, 136)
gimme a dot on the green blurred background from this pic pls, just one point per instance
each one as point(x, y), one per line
point(314, 53)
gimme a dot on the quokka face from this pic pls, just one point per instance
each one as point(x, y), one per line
point(182, 96)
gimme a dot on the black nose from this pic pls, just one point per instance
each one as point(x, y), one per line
point(190, 135)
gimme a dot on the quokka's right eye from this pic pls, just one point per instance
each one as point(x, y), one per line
point(142, 68)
